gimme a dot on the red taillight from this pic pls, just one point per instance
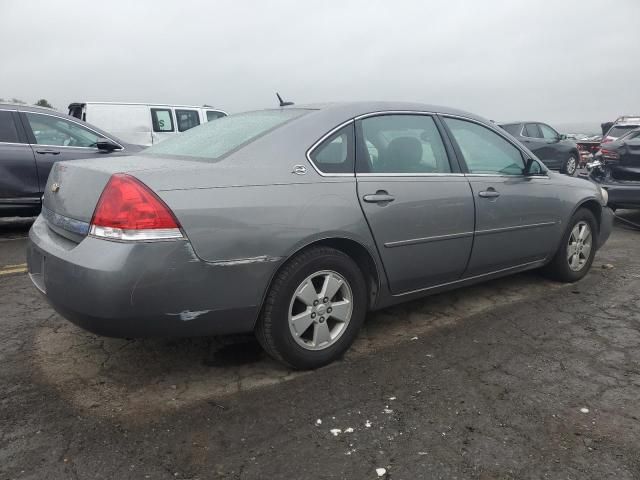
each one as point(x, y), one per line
point(129, 210)
point(609, 154)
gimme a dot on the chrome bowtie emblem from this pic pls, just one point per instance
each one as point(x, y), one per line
point(55, 187)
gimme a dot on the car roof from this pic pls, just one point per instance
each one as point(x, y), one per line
point(355, 109)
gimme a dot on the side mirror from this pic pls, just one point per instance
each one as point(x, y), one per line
point(562, 136)
point(107, 145)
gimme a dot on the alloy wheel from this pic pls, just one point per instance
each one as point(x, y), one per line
point(571, 166)
point(320, 310)
point(579, 246)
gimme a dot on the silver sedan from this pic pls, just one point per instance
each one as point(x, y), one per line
point(294, 222)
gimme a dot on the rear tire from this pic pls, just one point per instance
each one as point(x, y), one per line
point(570, 165)
point(302, 327)
point(577, 250)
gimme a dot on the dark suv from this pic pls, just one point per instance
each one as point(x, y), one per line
point(32, 139)
point(553, 148)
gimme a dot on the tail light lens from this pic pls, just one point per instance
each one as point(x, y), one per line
point(128, 210)
point(609, 154)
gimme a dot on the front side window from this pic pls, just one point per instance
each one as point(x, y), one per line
point(401, 144)
point(214, 115)
point(620, 130)
point(8, 132)
point(485, 151)
point(336, 154)
point(531, 130)
point(548, 133)
point(187, 119)
point(51, 130)
point(213, 140)
point(162, 120)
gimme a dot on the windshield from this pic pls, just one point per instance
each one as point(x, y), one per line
point(213, 140)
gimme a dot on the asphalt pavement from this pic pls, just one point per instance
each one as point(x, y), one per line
point(517, 378)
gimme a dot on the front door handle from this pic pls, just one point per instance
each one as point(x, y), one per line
point(380, 196)
point(48, 151)
point(489, 193)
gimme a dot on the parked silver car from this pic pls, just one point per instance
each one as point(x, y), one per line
point(294, 222)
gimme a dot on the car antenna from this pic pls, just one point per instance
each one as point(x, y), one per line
point(282, 102)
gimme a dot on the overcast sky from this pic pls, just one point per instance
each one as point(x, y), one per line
point(556, 61)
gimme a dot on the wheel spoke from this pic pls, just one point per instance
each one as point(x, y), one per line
point(302, 321)
point(571, 251)
point(340, 310)
point(321, 334)
point(586, 250)
point(330, 286)
point(575, 262)
point(307, 293)
point(584, 230)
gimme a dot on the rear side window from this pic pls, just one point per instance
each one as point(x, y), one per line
point(8, 131)
point(514, 129)
point(187, 119)
point(401, 144)
point(485, 151)
point(214, 114)
point(215, 139)
point(336, 154)
point(162, 120)
point(532, 130)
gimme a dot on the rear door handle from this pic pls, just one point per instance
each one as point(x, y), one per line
point(491, 193)
point(379, 197)
point(48, 151)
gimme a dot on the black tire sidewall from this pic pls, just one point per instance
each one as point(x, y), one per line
point(560, 266)
point(283, 341)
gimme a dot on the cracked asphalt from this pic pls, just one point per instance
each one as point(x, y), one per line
point(516, 378)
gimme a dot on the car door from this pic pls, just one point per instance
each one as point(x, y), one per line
point(517, 220)
point(555, 151)
point(19, 187)
point(543, 147)
point(54, 138)
point(417, 203)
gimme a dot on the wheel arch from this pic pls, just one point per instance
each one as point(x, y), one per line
point(362, 255)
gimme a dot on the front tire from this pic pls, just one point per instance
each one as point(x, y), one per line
point(577, 250)
point(314, 309)
point(570, 165)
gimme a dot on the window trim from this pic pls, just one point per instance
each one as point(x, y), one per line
point(503, 134)
point(175, 112)
point(31, 135)
point(319, 142)
point(153, 123)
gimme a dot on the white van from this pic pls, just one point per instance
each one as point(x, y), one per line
point(143, 123)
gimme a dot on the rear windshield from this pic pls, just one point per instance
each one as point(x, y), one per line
point(213, 140)
point(620, 130)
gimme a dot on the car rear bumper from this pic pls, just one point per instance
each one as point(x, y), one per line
point(144, 289)
point(623, 194)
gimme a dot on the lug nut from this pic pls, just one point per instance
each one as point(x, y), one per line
point(315, 303)
point(329, 310)
point(325, 299)
point(321, 319)
point(313, 315)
